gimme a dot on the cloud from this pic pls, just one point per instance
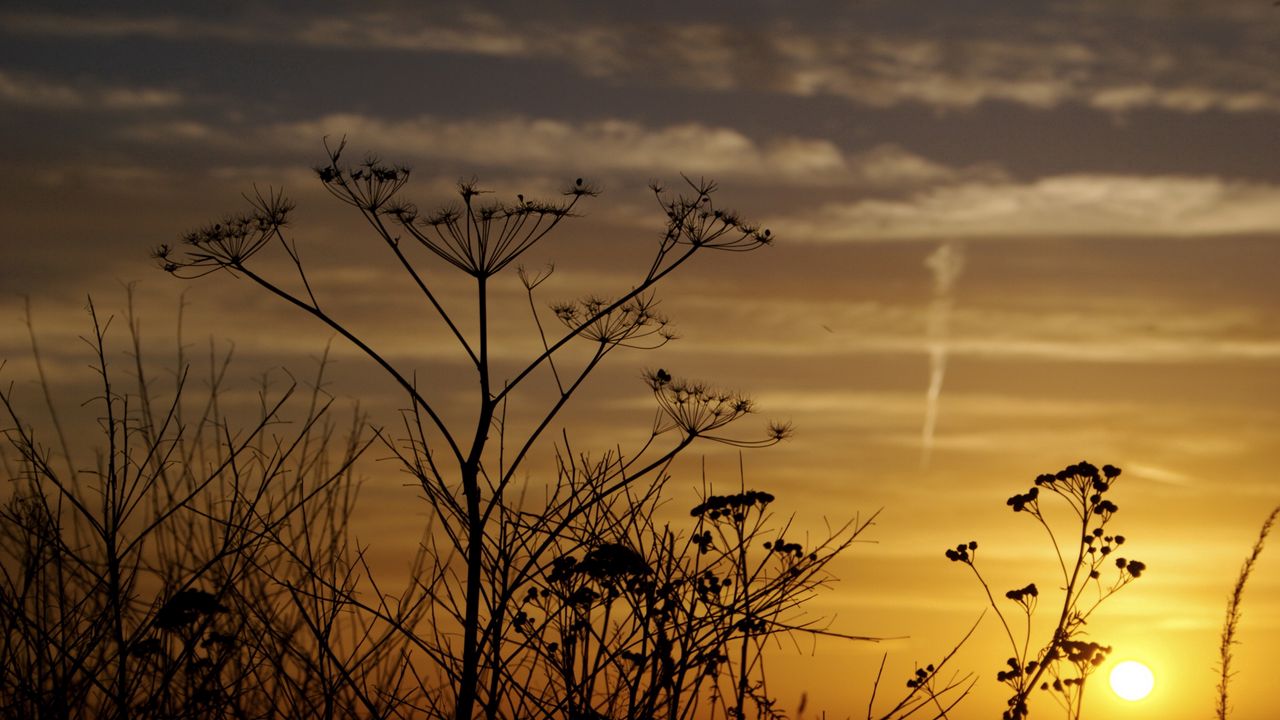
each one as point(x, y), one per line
point(603, 145)
point(1060, 205)
point(53, 24)
point(1192, 99)
point(1222, 12)
point(902, 408)
point(1161, 475)
point(1058, 59)
point(610, 145)
point(471, 33)
point(1094, 347)
point(1042, 66)
point(870, 68)
point(1107, 330)
point(137, 98)
point(962, 74)
point(889, 165)
point(28, 91)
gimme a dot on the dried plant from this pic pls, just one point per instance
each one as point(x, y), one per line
point(635, 620)
point(1062, 663)
point(559, 598)
point(927, 694)
point(1232, 621)
point(174, 574)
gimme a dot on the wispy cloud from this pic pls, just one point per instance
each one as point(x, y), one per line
point(1057, 61)
point(599, 146)
point(1061, 205)
point(1162, 475)
point(963, 73)
point(29, 91)
point(1109, 330)
point(871, 68)
point(1127, 350)
point(902, 408)
point(471, 33)
point(53, 24)
point(1187, 99)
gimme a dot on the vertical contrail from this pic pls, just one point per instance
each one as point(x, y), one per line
point(946, 264)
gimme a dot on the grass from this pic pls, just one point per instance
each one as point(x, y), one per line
point(1232, 622)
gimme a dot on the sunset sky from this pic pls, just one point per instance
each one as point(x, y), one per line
point(1095, 181)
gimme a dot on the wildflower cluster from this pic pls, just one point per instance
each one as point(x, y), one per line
point(607, 563)
point(1016, 670)
point(708, 584)
point(189, 648)
point(1081, 652)
point(1067, 659)
point(1022, 501)
point(921, 677)
point(1086, 656)
point(574, 587)
point(731, 506)
point(1133, 568)
point(613, 560)
point(1082, 484)
point(1025, 596)
point(639, 603)
point(185, 608)
point(964, 552)
point(782, 547)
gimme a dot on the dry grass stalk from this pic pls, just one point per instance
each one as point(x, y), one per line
point(1232, 622)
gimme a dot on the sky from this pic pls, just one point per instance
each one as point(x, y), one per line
point(1010, 236)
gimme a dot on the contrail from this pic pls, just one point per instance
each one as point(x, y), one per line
point(946, 263)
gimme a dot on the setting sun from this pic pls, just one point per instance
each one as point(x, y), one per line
point(1132, 680)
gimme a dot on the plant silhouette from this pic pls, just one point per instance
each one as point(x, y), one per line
point(172, 575)
point(203, 568)
point(577, 604)
point(1231, 623)
point(1063, 663)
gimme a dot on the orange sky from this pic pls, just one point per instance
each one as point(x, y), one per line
point(1102, 175)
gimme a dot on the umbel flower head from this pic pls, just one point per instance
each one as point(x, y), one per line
point(479, 238)
point(699, 410)
point(695, 220)
point(369, 186)
point(482, 238)
point(227, 244)
point(635, 323)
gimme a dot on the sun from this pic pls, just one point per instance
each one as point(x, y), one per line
point(1132, 680)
